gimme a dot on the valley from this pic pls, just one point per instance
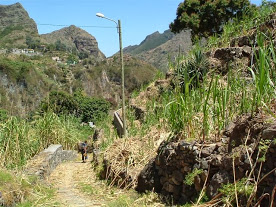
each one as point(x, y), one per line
point(200, 113)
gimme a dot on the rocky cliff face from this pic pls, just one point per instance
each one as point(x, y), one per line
point(75, 38)
point(15, 25)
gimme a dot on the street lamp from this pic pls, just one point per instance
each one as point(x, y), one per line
point(122, 68)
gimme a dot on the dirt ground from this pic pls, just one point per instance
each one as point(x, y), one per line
point(77, 185)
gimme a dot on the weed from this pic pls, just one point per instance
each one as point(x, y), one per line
point(122, 201)
point(88, 189)
point(189, 178)
point(242, 187)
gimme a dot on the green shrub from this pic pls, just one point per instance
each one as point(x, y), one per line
point(242, 188)
point(79, 105)
point(9, 30)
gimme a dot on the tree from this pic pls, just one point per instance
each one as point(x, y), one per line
point(79, 105)
point(206, 17)
point(60, 46)
point(32, 43)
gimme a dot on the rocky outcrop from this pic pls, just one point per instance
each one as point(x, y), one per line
point(221, 58)
point(248, 142)
point(76, 38)
point(242, 50)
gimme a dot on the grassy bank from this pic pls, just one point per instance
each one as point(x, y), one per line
point(21, 139)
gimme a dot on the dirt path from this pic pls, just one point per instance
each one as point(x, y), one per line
point(77, 185)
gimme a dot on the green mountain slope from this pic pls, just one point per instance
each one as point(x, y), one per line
point(15, 26)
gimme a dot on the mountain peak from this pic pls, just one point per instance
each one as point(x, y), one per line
point(76, 38)
point(15, 20)
point(17, 4)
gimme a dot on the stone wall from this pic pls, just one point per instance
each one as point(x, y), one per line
point(46, 161)
point(118, 122)
point(238, 150)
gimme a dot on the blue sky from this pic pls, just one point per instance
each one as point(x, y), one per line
point(139, 18)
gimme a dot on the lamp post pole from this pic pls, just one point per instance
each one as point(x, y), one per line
point(122, 69)
point(123, 79)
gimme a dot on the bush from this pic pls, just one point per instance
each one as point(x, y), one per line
point(79, 105)
point(192, 70)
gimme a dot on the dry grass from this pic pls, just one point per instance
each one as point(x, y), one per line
point(130, 155)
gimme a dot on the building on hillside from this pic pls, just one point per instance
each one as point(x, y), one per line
point(17, 51)
point(28, 51)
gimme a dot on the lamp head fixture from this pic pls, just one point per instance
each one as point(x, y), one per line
point(100, 15)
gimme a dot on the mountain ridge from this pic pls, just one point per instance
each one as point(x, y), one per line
point(166, 47)
point(76, 38)
point(15, 25)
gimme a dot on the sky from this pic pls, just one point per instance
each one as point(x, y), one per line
point(139, 18)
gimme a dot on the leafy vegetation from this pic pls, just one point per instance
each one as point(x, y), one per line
point(16, 70)
point(241, 26)
point(10, 29)
point(242, 188)
point(21, 139)
point(189, 179)
point(206, 18)
point(79, 105)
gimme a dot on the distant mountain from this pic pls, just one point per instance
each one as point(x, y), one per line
point(157, 48)
point(75, 38)
point(15, 26)
point(152, 41)
point(26, 80)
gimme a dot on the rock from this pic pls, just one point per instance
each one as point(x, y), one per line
point(187, 169)
point(222, 177)
point(228, 54)
point(184, 145)
point(204, 164)
point(217, 160)
point(148, 179)
point(247, 51)
point(204, 175)
point(269, 133)
point(177, 177)
point(96, 153)
point(46, 161)
point(227, 163)
point(207, 151)
point(12, 15)
point(163, 179)
point(139, 112)
point(197, 183)
point(168, 187)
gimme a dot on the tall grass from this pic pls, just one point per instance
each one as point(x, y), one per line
point(20, 139)
point(253, 18)
point(197, 111)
